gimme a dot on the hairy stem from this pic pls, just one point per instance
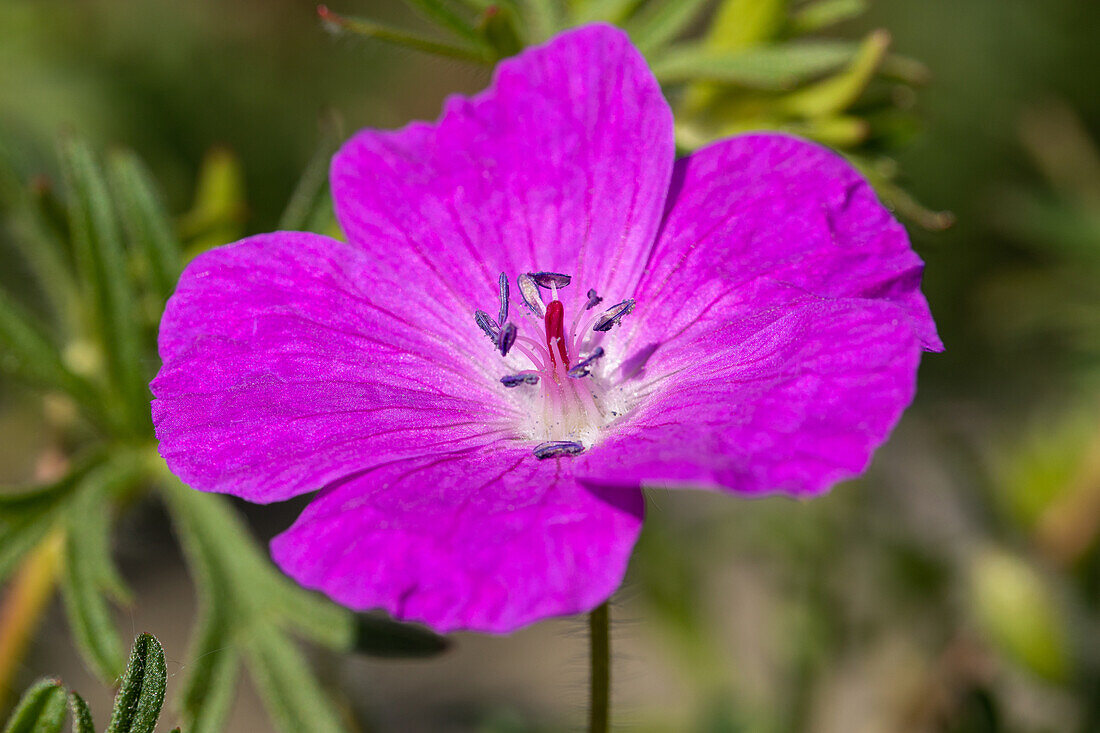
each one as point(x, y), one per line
point(599, 622)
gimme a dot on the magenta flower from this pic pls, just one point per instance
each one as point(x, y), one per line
point(538, 313)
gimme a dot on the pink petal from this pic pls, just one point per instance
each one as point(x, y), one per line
point(561, 165)
point(778, 326)
point(792, 405)
point(289, 363)
point(486, 540)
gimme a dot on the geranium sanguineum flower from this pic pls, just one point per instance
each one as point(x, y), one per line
point(537, 313)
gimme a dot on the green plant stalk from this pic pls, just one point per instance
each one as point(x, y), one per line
point(599, 629)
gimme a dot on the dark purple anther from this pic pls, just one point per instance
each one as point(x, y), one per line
point(503, 299)
point(581, 369)
point(529, 291)
point(558, 448)
point(613, 315)
point(593, 299)
point(486, 324)
point(514, 380)
point(507, 338)
point(550, 279)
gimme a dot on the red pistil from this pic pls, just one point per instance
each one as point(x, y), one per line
point(555, 329)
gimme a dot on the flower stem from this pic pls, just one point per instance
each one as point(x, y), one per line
point(599, 622)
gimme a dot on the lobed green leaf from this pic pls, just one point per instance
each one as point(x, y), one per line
point(40, 710)
point(102, 268)
point(141, 695)
point(146, 221)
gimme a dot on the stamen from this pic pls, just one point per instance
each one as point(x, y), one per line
point(529, 290)
point(514, 380)
point(613, 315)
point(550, 279)
point(507, 338)
point(558, 448)
point(503, 298)
point(487, 324)
point(581, 369)
point(593, 299)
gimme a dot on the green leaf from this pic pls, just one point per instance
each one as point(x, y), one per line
point(103, 269)
point(89, 569)
point(498, 26)
point(607, 11)
point(544, 19)
point(146, 221)
point(82, 716)
point(837, 93)
point(27, 353)
point(662, 22)
point(381, 32)
point(141, 694)
point(27, 514)
point(773, 68)
point(741, 24)
point(294, 700)
point(41, 709)
point(383, 637)
point(441, 15)
point(310, 193)
point(815, 16)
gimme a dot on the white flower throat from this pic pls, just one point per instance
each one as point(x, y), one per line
point(562, 383)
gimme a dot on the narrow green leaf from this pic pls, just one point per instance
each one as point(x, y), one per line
point(772, 68)
point(293, 698)
point(146, 221)
point(310, 192)
point(27, 353)
point(378, 31)
point(383, 637)
point(206, 708)
point(103, 269)
point(40, 710)
point(741, 24)
point(837, 93)
point(438, 12)
point(27, 514)
point(89, 569)
point(661, 22)
point(141, 695)
point(822, 14)
point(499, 28)
point(82, 716)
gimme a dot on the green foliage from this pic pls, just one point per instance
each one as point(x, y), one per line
point(102, 360)
point(137, 705)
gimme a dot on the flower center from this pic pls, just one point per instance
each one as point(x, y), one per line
point(562, 383)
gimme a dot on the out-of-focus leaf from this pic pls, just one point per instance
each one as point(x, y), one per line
point(544, 19)
point(1016, 610)
point(89, 568)
point(381, 32)
point(768, 68)
point(218, 212)
point(27, 514)
point(310, 192)
point(837, 93)
point(382, 637)
point(441, 15)
point(661, 22)
point(82, 716)
point(103, 270)
point(824, 13)
point(499, 28)
point(607, 11)
point(294, 698)
point(40, 710)
point(741, 24)
point(141, 695)
point(146, 221)
point(28, 354)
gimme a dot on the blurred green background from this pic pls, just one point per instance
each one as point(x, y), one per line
point(954, 588)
